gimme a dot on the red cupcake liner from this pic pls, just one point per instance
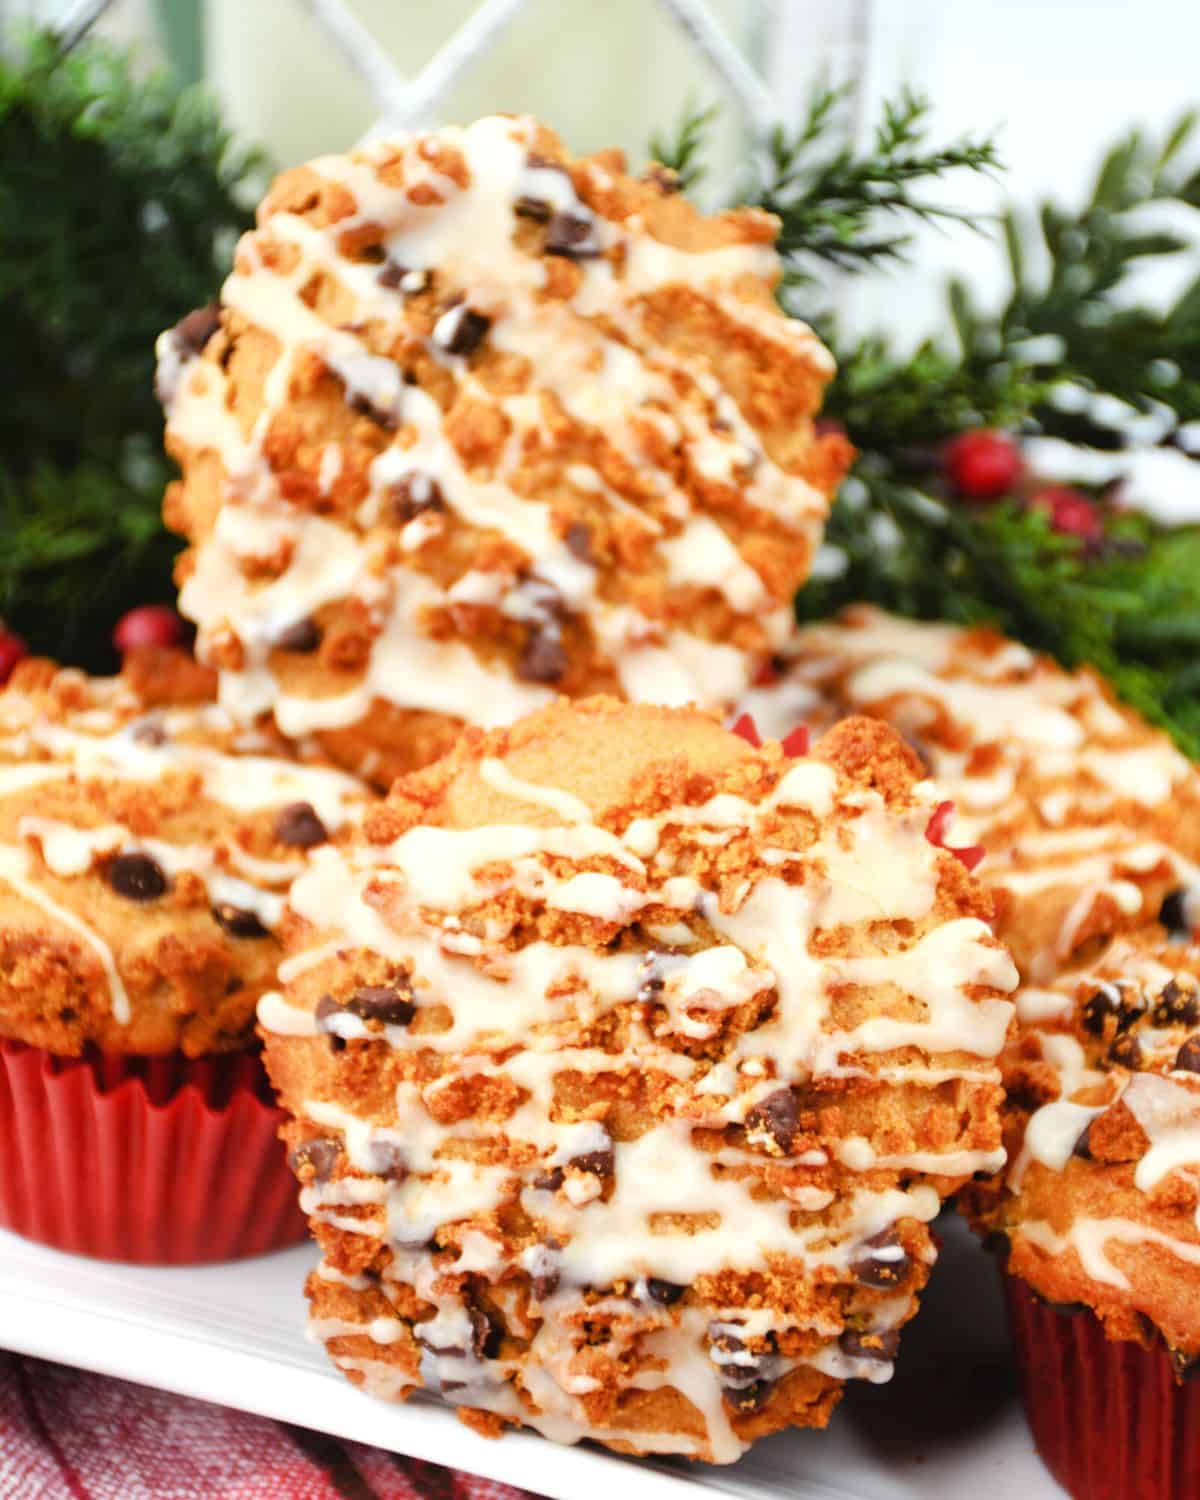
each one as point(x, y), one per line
point(152, 1160)
point(1109, 1419)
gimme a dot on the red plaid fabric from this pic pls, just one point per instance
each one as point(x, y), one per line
point(69, 1435)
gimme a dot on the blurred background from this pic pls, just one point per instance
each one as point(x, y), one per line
point(1057, 78)
point(990, 210)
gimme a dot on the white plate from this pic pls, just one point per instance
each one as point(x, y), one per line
point(948, 1426)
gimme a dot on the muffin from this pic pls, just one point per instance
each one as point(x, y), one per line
point(1090, 818)
point(476, 424)
point(1097, 1216)
point(628, 1064)
point(146, 846)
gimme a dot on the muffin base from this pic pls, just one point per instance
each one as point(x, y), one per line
point(149, 1160)
point(1109, 1419)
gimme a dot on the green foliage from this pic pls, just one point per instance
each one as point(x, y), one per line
point(1132, 609)
point(682, 152)
point(853, 209)
point(836, 205)
point(120, 202)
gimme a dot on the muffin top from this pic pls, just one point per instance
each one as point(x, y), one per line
point(1100, 1204)
point(1090, 817)
point(477, 423)
point(628, 1064)
point(145, 847)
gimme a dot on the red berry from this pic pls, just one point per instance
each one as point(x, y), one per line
point(796, 743)
point(148, 625)
point(982, 465)
point(745, 728)
point(939, 824)
point(936, 830)
point(1070, 512)
point(12, 649)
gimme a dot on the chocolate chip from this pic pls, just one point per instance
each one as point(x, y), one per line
point(666, 1292)
point(414, 495)
point(298, 826)
point(545, 1284)
point(881, 1346)
point(749, 1398)
point(1083, 1146)
point(396, 277)
point(886, 1265)
point(748, 1378)
point(390, 1003)
point(388, 1160)
point(578, 538)
point(383, 416)
point(572, 234)
point(529, 207)
point(1104, 1002)
point(652, 979)
point(1173, 914)
point(137, 877)
point(451, 1351)
point(460, 330)
point(238, 922)
point(773, 1121)
point(1126, 1052)
point(543, 659)
point(546, 1269)
point(327, 1007)
point(487, 1333)
point(1187, 1059)
point(194, 331)
point(600, 1164)
point(320, 1155)
point(1178, 1005)
point(302, 636)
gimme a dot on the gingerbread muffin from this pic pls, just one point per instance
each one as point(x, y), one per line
point(628, 1065)
point(477, 424)
point(146, 846)
point(1090, 818)
point(1098, 1213)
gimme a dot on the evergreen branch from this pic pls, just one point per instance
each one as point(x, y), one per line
point(831, 203)
point(681, 153)
point(121, 197)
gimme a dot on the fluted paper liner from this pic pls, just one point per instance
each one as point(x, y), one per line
point(157, 1161)
point(1109, 1419)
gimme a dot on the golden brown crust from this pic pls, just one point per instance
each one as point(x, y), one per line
point(550, 1013)
point(1099, 1204)
point(141, 860)
point(1088, 816)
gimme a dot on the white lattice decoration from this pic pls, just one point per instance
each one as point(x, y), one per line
point(407, 102)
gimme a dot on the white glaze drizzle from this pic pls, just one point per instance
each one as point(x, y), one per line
point(505, 1010)
point(591, 355)
point(1043, 770)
